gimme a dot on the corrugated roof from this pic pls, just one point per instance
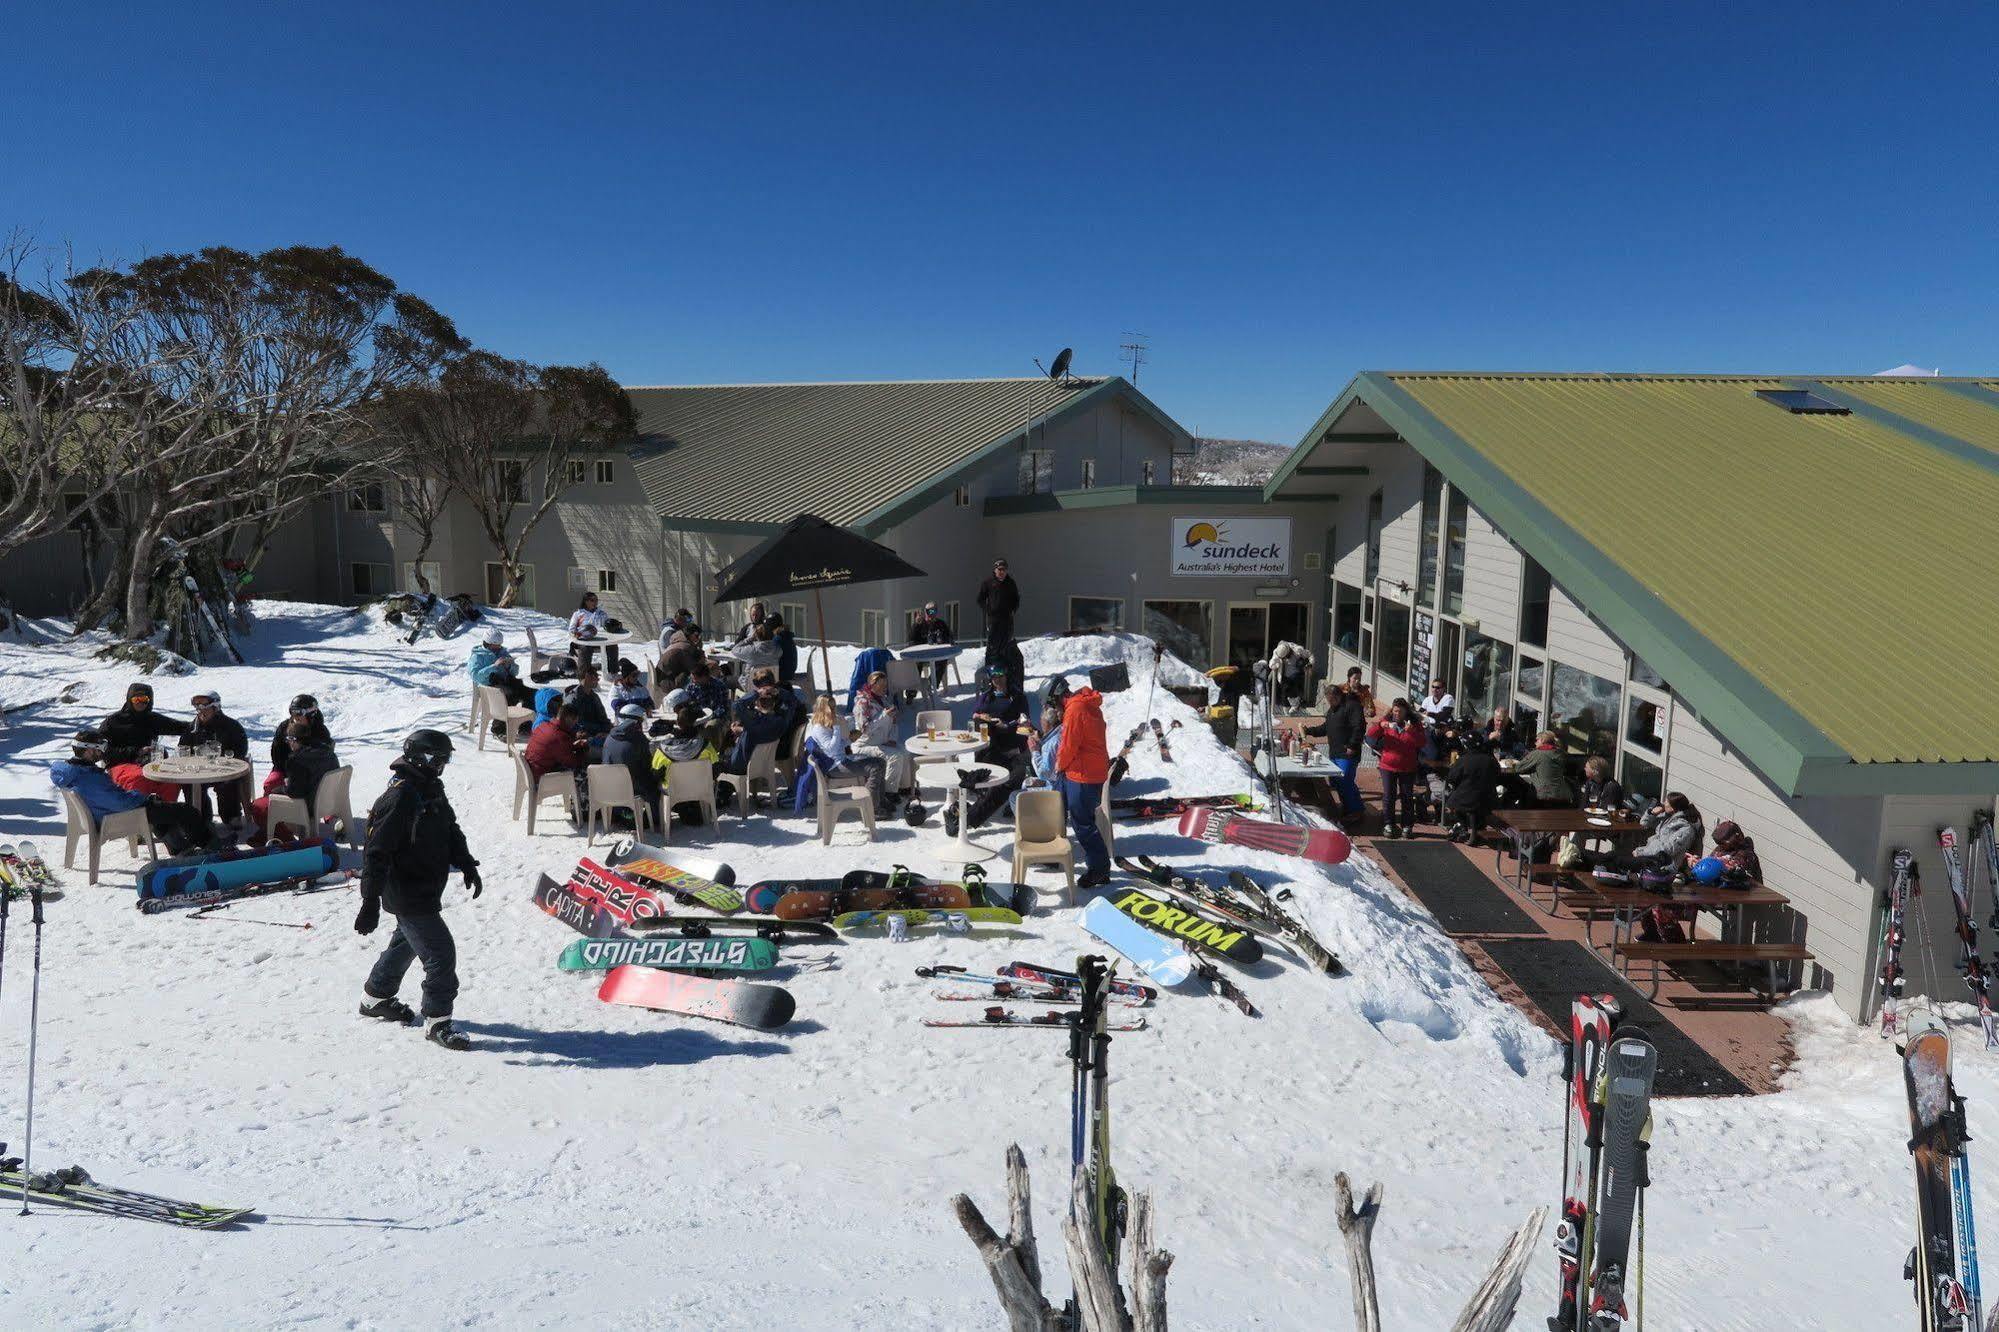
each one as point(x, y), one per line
point(1839, 560)
point(764, 453)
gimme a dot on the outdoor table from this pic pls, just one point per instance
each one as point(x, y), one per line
point(1273, 766)
point(1523, 826)
point(935, 654)
point(990, 775)
point(947, 745)
point(1627, 904)
point(605, 639)
point(198, 770)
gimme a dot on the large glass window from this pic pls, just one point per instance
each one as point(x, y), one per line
point(1643, 778)
point(1090, 614)
point(1534, 593)
point(1426, 558)
point(1488, 675)
point(1646, 725)
point(1645, 675)
point(1184, 628)
point(1584, 712)
point(1457, 517)
point(1373, 538)
point(1346, 617)
point(1393, 649)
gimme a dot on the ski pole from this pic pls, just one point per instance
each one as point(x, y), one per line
point(34, 1016)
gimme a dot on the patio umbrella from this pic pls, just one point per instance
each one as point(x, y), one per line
point(811, 553)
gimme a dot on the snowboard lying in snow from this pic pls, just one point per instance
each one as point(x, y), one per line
point(1326, 845)
point(690, 886)
point(878, 920)
point(709, 953)
point(826, 903)
point(1191, 927)
point(765, 1007)
point(980, 890)
point(1160, 958)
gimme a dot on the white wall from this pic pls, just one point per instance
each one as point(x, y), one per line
point(1492, 577)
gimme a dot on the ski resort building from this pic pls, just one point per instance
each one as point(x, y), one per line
point(1771, 594)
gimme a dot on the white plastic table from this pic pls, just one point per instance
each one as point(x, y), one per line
point(991, 774)
point(606, 640)
point(947, 745)
point(199, 770)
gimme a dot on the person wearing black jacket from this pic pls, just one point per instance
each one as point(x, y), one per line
point(129, 733)
point(213, 727)
point(1002, 712)
point(414, 843)
point(304, 708)
point(1471, 788)
point(628, 746)
point(1344, 728)
point(999, 598)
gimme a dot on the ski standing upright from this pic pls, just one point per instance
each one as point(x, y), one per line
point(1944, 1262)
point(1904, 883)
point(1628, 1070)
point(1590, 1021)
point(1968, 960)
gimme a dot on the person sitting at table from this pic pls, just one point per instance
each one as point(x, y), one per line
point(751, 625)
point(183, 828)
point(1736, 850)
point(790, 704)
point(1043, 745)
point(683, 735)
point(1439, 705)
point(930, 629)
point(587, 624)
point(1003, 712)
point(1440, 750)
point(875, 719)
point(593, 723)
point(1398, 739)
point(213, 727)
point(1600, 789)
point(787, 648)
point(302, 709)
point(630, 690)
point(129, 733)
point(491, 664)
point(1344, 728)
point(759, 652)
point(709, 694)
point(1501, 735)
point(682, 654)
point(672, 625)
point(1674, 831)
point(556, 746)
point(1471, 788)
point(829, 754)
point(758, 720)
point(1548, 773)
point(311, 757)
point(628, 746)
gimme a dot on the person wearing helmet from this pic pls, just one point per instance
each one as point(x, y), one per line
point(212, 726)
point(628, 747)
point(129, 733)
point(303, 708)
point(182, 827)
point(414, 843)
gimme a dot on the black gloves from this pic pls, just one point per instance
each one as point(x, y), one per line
point(370, 916)
point(473, 881)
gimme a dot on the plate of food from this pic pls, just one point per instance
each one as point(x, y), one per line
point(1597, 821)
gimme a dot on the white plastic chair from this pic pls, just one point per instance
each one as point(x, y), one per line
point(478, 718)
point(539, 789)
point(689, 780)
point(762, 767)
point(537, 659)
point(1039, 837)
point(129, 824)
point(610, 787)
point(331, 799)
point(839, 797)
point(498, 709)
point(907, 676)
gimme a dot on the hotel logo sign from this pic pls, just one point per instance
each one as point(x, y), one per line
point(1231, 547)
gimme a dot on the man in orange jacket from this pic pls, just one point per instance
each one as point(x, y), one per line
point(1084, 761)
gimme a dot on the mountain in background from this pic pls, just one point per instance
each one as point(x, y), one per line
point(1229, 462)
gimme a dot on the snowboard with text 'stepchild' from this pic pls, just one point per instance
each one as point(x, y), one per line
point(699, 953)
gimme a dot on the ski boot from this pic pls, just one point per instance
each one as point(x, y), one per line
point(391, 1009)
point(441, 1032)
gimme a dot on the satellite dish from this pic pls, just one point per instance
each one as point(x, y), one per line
point(1061, 366)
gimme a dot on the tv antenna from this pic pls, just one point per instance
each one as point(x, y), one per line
point(1060, 369)
point(1133, 349)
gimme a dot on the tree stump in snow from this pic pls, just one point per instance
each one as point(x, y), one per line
point(1357, 1225)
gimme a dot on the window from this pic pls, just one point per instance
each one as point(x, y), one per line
point(430, 572)
point(607, 472)
point(1089, 473)
point(874, 628)
point(1146, 471)
point(1643, 778)
point(1346, 617)
point(1037, 471)
point(371, 580)
point(1373, 538)
point(1184, 628)
point(496, 584)
point(1535, 590)
point(1392, 646)
point(1094, 614)
point(1457, 517)
point(1532, 682)
point(371, 498)
point(1583, 711)
point(1487, 682)
point(1426, 558)
point(1645, 724)
point(413, 494)
point(1366, 626)
point(793, 614)
point(510, 480)
point(607, 580)
point(1645, 675)
point(574, 472)
point(1798, 402)
point(961, 498)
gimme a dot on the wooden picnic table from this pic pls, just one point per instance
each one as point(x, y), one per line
point(1729, 905)
point(1523, 826)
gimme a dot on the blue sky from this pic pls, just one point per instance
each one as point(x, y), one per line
point(856, 191)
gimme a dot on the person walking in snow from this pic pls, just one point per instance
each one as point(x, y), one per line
point(414, 843)
point(1084, 760)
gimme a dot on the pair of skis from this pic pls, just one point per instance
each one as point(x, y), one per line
point(1604, 1139)
point(22, 870)
point(1944, 1262)
point(73, 1187)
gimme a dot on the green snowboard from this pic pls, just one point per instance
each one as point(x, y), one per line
point(713, 954)
point(878, 920)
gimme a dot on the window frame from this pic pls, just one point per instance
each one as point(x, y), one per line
point(529, 589)
point(1147, 470)
point(1115, 627)
point(605, 472)
point(1207, 605)
point(961, 497)
point(358, 495)
point(1429, 538)
point(574, 471)
point(1371, 548)
point(1037, 466)
point(607, 583)
point(516, 491)
point(874, 628)
point(431, 569)
point(374, 570)
point(1531, 572)
point(1087, 475)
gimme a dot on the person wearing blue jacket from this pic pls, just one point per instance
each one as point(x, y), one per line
point(630, 689)
point(764, 722)
point(182, 827)
point(491, 664)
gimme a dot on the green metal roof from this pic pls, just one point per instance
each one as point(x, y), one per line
point(1814, 585)
point(749, 457)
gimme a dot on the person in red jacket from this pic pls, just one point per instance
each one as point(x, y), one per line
point(557, 746)
point(1084, 760)
point(1398, 738)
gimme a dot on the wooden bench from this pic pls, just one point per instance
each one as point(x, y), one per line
point(1711, 950)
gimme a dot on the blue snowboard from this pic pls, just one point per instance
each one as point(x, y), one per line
point(237, 869)
point(1159, 957)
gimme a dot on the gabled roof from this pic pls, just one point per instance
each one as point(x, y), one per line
point(750, 457)
point(1814, 584)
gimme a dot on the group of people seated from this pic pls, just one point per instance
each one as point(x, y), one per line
point(106, 769)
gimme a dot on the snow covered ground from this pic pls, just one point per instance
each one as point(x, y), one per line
point(609, 1166)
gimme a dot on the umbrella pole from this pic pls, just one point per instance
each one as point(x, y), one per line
point(825, 652)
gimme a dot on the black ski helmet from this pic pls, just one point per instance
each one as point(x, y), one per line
point(914, 814)
point(88, 738)
point(304, 703)
point(428, 749)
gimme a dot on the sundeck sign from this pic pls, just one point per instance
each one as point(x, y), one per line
point(1231, 547)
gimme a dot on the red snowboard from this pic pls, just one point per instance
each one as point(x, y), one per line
point(764, 1007)
point(1327, 845)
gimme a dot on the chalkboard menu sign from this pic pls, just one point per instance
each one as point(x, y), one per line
point(1419, 654)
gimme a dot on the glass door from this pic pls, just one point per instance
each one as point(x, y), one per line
point(1249, 635)
point(1444, 663)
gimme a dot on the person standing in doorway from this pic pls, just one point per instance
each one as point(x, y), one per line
point(414, 843)
point(1084, 761)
